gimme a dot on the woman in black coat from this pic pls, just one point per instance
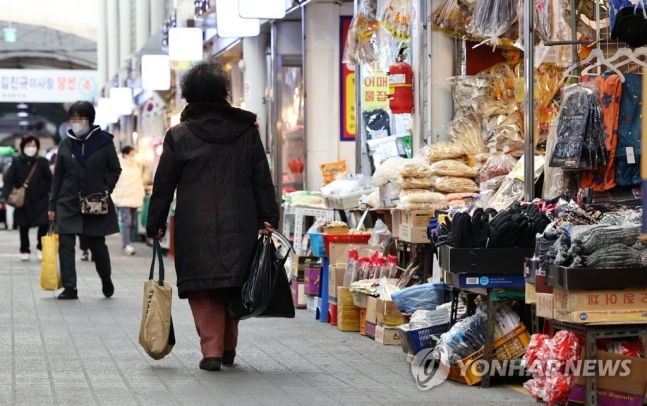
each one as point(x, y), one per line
point(34, 211)
point(86, 164)
point(225, 195)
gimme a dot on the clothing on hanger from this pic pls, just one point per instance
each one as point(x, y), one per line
point(627, 171)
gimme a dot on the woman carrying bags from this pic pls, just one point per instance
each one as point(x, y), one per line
point(86, 172)
point(32, 171)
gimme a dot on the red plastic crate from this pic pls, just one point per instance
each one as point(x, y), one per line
point(344, 239)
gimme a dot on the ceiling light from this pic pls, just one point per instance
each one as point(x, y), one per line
point(263, 9)
point(22, 106)
point(23, 123)
point(231, 25)
point(23, 114)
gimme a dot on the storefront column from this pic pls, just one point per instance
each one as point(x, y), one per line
point(255, 78)
point(113, 39)
point(102, 44)
point(125, 35)
point(158, 15)
point(440, 106)
point(143, 25)
point(323, 91)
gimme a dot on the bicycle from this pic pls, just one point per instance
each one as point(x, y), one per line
point(284, 247)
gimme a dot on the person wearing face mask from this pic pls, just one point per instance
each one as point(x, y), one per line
point(86, 165)
point(129, 196)
point(29, 169)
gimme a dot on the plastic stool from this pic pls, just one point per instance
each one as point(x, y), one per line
point(332, 314)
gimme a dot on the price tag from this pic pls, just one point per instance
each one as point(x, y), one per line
point(631, 158)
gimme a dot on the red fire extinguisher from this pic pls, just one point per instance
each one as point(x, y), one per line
point(401, 87)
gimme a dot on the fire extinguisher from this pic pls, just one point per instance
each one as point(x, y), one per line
point(400, 87)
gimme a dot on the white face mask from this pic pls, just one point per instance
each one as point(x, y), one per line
point(31, 151)
point(80, 128)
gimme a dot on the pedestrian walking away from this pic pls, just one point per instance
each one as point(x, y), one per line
point(225, 196)
point(32, 172)
point(129, 196)
point(87, 167)
point(85, 247)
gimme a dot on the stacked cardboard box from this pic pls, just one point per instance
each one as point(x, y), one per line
point(388, 318)
point(348, 316)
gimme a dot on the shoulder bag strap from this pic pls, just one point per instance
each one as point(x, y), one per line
point(31, 173)
point(157, 250)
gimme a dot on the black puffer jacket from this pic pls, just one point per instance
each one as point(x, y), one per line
point(34, 212)
point(217, 162)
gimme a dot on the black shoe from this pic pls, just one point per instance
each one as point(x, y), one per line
point(69, 294)
point(108, 288)
point(210, 364)
point(228, 357)
point(85, 256)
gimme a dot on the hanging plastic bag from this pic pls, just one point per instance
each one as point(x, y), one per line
point(452, 18)
point(492, 19)
point(396, 19)
point(544, 19)
point(361, 43)
point(467, 132)
point(281, 304)
point(49, 276)
point(156, 333)
point(256, 293)
point(381, 236)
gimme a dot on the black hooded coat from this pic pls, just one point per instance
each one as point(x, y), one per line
point(217, 163)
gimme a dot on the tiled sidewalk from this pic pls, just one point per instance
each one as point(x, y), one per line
point(86, 352)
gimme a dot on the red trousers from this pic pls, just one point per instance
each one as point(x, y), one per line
point(217, 330)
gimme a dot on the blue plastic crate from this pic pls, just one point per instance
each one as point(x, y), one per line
point(414, 341)
point(317, 245)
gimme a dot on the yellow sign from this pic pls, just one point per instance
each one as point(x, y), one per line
point(375, 90)
point(181, 65)
point(349, 112)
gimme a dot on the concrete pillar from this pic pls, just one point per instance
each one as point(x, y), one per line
point(125, 36)
point(113, 38)
point(102, 44)
point(323, 91)
point(158, 15)
point(143, 25)
point(440, 106)
point(255, 78)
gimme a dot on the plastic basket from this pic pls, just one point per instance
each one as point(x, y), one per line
point(511, 346)
point(414, 341)
point(344, 239)
point(317, 245)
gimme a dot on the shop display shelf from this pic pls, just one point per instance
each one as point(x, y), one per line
point(505, 261)
point(346, 202)
point(416, 340)
point(344, 239)
point(597, 279)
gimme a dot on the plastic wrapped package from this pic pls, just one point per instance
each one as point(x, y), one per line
point(426, 197)
point(395, 17)
point(497, 165)
point(348, 185)
point(543, 19)
point(361, 43)
point(377, 123)
point(556, 180)
point(449, 184)
point(392, 266)
point(492, 185)
point(467, 133)
point(422, 206)
point(550, 79)
point(415, 170)
point(452, 18)
point(351, 267)
point(381, 236)
point(562, 32)
point(373, 199)
point(407, 192)
point(537, 341)
point(461, 196)
point(464, 338)
point(467, 91)
point(558, 387)
point(331, 170)
point(629, 348)
point(453, 168)
point(505, 131)
point(520, 10)
point(511, 191)
point(381, 149)
point(441, 151)
point(417, 183)
point(389, 170)
point(492, 19)
point(422, 297)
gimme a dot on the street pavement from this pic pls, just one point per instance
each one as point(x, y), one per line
point(86, 352)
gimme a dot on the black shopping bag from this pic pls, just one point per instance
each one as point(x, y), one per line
point(256, 292)
point(281, 304)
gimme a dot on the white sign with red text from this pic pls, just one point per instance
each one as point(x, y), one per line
point(47, 85)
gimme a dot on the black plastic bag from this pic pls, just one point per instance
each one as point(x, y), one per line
point(256, 293)
point(281, 304)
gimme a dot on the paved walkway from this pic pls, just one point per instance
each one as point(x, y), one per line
point(86, 352)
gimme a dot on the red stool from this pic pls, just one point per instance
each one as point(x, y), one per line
point(332, 314)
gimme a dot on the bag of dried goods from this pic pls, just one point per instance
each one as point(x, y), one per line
point(442, 150)
point(450, 184)
point(450, 167)
point(417, 183)
point(467, 132)
point(497, 165)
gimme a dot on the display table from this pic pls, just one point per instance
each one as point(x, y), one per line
point(300, 213)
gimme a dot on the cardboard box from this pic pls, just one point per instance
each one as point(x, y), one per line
point(387, 314)
point(348, 318)
point(600, 300)
point(396, 217)
point(335, 279)
point(634, 384)
point(541, 282)
point(360, 299)
point(312, 280)
point(416, 218)
point(545, 305)
point(344, 297)
point(299, 298)
point(387, 335)
point(414, 235)
point(339, 252)
point(605, 397)
point(370, 330)
point(602, 316)
point(490, 281)
point(531, 293)
point(362, 322)
point(371, 310)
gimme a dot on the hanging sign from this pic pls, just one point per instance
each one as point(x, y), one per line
point(348, 117)
point(47, 85)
